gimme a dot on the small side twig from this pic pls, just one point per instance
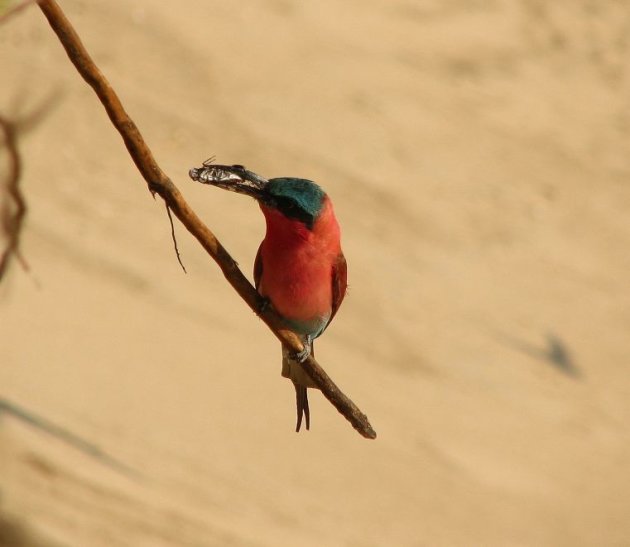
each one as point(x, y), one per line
point(160, 184)
point(170, 219)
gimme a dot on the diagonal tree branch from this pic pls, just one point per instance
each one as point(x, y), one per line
point(160, 184)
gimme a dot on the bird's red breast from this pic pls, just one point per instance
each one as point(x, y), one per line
point(301, 269)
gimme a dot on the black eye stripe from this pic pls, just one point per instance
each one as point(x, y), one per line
point(287, 203)
point(292, 209)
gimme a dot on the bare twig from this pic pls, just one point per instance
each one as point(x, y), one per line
point(160, 184)
point(14, 209)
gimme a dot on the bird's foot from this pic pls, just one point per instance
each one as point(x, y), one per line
point(301, 356)
point(264, 305)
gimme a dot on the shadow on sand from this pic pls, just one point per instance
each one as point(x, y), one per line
point(7, 408)
point(554, 352)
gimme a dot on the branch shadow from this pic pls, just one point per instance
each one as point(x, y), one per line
point(88, 448)
point(554, 352)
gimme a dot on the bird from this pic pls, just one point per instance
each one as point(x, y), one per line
point(300, 269)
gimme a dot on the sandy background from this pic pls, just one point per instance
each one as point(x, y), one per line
point(477, 155)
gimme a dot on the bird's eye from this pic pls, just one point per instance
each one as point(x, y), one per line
point(286, 203)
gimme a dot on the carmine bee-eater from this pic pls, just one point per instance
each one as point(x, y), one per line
point(299, 267)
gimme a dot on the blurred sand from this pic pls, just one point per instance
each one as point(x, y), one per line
point(477, 155)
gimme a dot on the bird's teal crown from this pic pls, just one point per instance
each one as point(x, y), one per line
point(301, 199)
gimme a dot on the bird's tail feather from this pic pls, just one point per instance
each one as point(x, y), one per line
point(301, 400)
point(293, 370)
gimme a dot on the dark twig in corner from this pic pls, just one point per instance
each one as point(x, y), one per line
point(160, 184)
point(14, 208)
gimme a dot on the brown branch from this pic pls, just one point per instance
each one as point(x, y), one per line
point(160, 184)
point(14, 209)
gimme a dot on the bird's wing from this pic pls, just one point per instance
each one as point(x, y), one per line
point(339, 284)
point(258, 267)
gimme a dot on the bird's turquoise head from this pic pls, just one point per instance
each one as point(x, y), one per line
point(300, 199)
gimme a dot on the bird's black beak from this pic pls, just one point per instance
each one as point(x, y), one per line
point(230, 177)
